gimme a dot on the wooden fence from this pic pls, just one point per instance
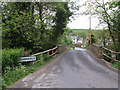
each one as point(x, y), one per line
point(112, 55)
point(102, 52)
point(54, 51)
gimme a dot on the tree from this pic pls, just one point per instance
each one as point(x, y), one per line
point(62, 16)
point(82, 34)
point(93, 40)
point(102, 35)
point(16, 26)
point(107, 13)
point(35, 26)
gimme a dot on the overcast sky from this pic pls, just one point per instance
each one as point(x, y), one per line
point(82, 22)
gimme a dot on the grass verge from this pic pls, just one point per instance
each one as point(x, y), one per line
point(11, 76)
point(116, 65)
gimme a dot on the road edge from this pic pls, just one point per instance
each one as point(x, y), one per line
point(40, 68)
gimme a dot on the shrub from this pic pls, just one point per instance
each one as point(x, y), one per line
point(10, 58)
point(72, 46)
point(10, 76)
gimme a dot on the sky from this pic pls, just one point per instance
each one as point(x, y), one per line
point(82, 22)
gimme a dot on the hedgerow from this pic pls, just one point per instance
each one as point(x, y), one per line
point(10, 58)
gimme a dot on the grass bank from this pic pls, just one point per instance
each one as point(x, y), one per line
point(116, 65)
point(11, 76)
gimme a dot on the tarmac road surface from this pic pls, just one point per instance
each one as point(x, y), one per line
point(72, 69)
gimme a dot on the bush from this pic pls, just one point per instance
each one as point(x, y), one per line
point(10, 76)
point(10, 58)
point(72, 47)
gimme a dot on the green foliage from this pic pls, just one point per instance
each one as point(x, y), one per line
point(79, 44)
point(107, 52)
point(118, 56)
point(110, 46)
point(116, 65)
point(38, 57)
point(17, 25)
point(63, 39)
point(87, 44)
point(93, 40)
point(102, 36)
point(108, 13)
point(79, 30)
point(83, 34)
point(10, 76)
point(62, 16)
point(10, 58)
point(72, 46)
point(67, 41)
point(36, 32)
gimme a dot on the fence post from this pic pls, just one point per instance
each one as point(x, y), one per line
point(41, 57)
point(101, 52)
point(48, 54)
point(33, 62)
point(52, 52)
point(57, 49)
point(113, 56)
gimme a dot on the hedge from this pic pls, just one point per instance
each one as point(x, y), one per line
point(10, 58)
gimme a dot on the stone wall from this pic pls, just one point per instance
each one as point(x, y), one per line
point(62, 48)
point(97, 50)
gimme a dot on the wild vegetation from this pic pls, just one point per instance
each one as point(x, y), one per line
point(30, 27)
point(37, 26)
point(10, 76)
point(34, 26)
point(109, 14)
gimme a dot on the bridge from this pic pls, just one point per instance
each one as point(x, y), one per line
point(77, 68)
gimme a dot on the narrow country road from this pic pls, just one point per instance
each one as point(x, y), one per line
point(73, 69)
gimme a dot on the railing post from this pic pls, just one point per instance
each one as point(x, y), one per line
point(113, 57)
point(48, 54)
point(52, 52)
point(101, 52)
point(33, 62)
point(41, 57)
point(57, 49)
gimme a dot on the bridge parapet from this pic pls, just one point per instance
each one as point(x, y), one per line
point(62, 48)
point(97, 50)
point(104, 53)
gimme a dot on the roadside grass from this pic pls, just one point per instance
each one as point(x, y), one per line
point(11, 76)
point(116, 65)
point(72, 47)
point(84, 47)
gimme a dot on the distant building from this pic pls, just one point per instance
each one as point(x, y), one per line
point(74, 39)
point(80, 40)
point(87, 38)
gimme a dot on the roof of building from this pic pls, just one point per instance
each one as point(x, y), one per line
point(87, 37)
point(80, 38)
point(74, 37)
